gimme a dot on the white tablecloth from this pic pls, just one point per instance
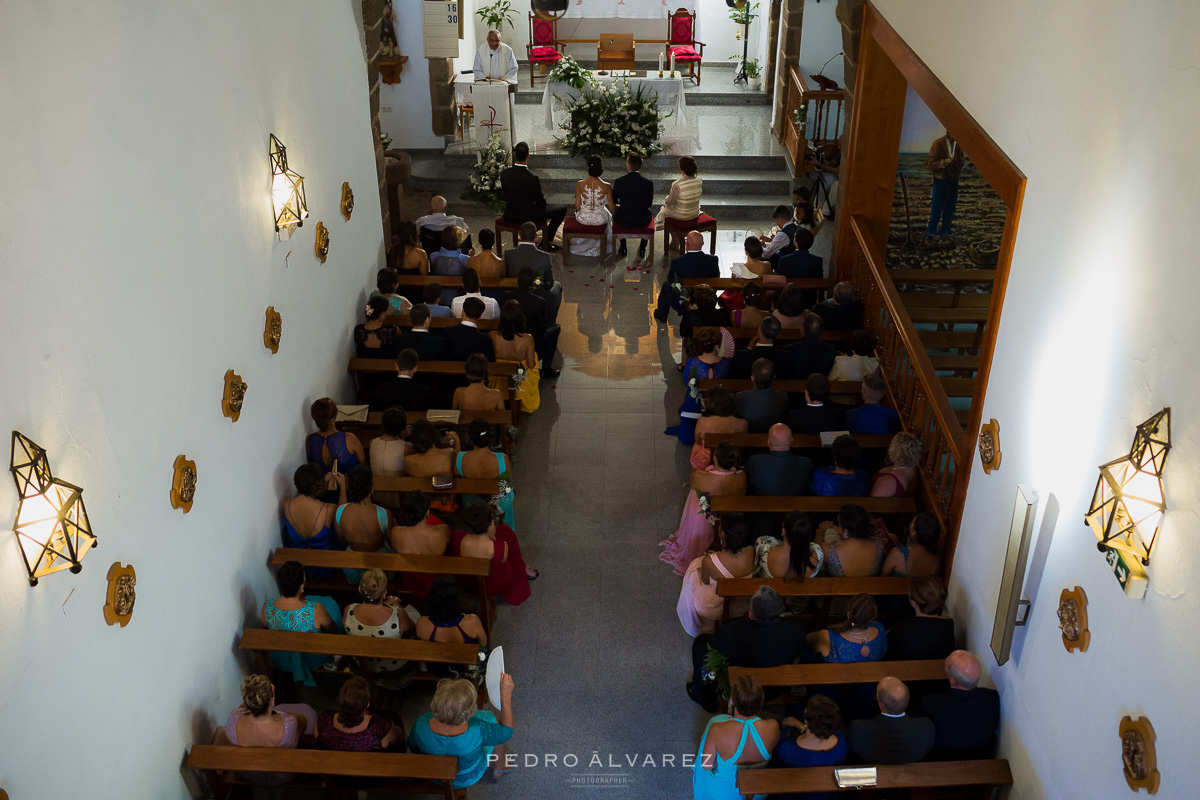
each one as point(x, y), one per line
point(669, 92)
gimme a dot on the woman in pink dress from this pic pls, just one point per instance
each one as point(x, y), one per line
point(488, 538)
point(695, 532)
point(699, 608)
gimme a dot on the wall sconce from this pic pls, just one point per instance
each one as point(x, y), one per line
point(1128, 504)
point(287, 189)
point(52, 525)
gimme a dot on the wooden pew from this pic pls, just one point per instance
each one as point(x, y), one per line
point(477, 569)
point(982, 776)
point(403, 321)
point(386, 366)
point(373, 427)
point(821, 286)
point(455, 281)
point(812, 505)
point(800, 441)
point(403, 773)
point(730, 588)
point(486, 486)
point(955, 387)
point(743, 335)
point(831, 674)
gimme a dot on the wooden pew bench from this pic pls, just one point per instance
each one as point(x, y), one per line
point(861, 672)
point(403, 321)
point(402, 773)
point(743, 335)
point(955, 387)
point(386, 366)
point(977, 778)
point(813, 504)
point(821, 286)
point(455, 281)
point(373, 427)
point(819, 588)
point(800, 441)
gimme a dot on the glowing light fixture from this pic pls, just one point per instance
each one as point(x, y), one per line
point(1128, 504)
point(287, 189)
point(52, 525)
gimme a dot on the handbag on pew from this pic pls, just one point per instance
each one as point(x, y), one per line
point(352, 413)
point(444, 503)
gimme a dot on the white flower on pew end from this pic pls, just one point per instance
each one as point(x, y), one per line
point(693, 389)
point(504, 488)
point(518, 378)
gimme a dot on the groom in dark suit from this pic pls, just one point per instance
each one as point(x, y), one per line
point(523, 198)
point(633, 195)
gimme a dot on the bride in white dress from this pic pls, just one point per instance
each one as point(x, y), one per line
point(593, 206)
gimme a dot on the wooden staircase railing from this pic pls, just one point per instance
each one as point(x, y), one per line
point(913, 383)
point(823, 124)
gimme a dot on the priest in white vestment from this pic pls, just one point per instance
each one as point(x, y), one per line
point(495, 60)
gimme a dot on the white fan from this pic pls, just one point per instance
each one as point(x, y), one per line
point(495, 668)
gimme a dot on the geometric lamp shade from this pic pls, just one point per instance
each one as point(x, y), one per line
point(52, 525)
point(287, 189)
point(1129, 500)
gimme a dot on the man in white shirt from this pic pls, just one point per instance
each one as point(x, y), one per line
point(495, 61)
point(436, 221)
point(470, 281)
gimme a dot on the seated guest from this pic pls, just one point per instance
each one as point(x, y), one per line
point(512, 345)
point(779, 472)
point(893, 737)
point(482, 462)
point(965, 718)
point(545, 335)
point(754, 257)
point(476, 395)
point(851, 551)
point(432, 224)
point(922, 552)
point(294, 612)
point(780, 243)
point(373, 338)
point(404, 390)
point(432, 452)
point(703, 311)
point(813, 742)
point(761, 639)
point(844, 478)
point(871, 417)
point(486, 263)
point(706, 363)
point(733, 743)
point(811, 354)
point(523, 198)
point(430, 345)
point(800, 263)
point(793, 557)
point(633, 195)
point(695, 263)
point(762, 406)
point(410, 258)
point(699, 608)
point(695, 532)
point(470, 282)
point(861, 637)
point(818, 414)
point(527, 254)
point(360, 524)
point(859, 363)
point(682, 201)
point(789, 310)
point(380, 616)
point(717, 417)
point(386, 282)
point(446, 621)
point(353, 727)
point(387, 452)
point(929, 634)
point(307, 519)
point(449, 260)
point(418, 533)
point(457, 728)
point(842, 312)
point(899, 478)
point(466, 338)
point(329, 446)
point(763, 346)
point(432, 295)
point(752, 315)
point(802, 207)
point(485, 537)
point(259, 722)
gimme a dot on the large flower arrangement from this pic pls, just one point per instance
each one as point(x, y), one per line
point(610, 120)
point(569, 72)
point(484, 183)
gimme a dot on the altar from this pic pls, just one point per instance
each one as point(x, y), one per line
point(492, 107)
point(668, 91)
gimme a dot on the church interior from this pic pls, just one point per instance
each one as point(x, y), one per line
point(695, 398)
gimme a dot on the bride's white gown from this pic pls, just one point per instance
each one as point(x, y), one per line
point(592, 211)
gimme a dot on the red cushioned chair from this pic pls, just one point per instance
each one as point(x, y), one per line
point(682, 227)
point(681, 42)
point(647, 233)
point(504, 226)
point(576, 230)
point(543, 48)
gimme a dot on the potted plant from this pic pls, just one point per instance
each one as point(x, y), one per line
point(742, 17)
point(496, 15)
point(753, 74)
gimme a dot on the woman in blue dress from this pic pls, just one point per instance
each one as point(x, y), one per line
point(706, 363)
point(813, 742)
point(732, 743)
point(860, 638)
point(308, 521)
point(455, 728)
point(329, 446)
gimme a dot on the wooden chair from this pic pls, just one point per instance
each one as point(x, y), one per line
point(681, 42)
point(680, 228)
point(504, 226)
point(576, 230)
point(466, 113)
point(647, 233)
point(543, 47)
point(615, 51)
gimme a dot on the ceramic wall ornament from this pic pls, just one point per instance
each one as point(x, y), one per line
point(1073, 620)
point(347, 200)
point(989, 447)
point(321, 245)
point(1137, 754)
point(273, 332)
point(183, 484)
point(118, 605)
point(235, 395)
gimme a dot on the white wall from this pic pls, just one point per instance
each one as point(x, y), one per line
point(1098, 333)
point(921, 127)
point(404, 107)
point(821, 39)
point(138, 258)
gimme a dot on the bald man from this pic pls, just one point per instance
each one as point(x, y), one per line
point(893, 737)
point(966, 717)
point(430, 226)
point(694, 263)
point(495, 61)
point(779, 472)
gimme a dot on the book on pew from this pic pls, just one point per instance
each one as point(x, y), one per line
point(352, 413)
point(443, 482)
point(827, 437)
point(445, 416)
point(855, 777)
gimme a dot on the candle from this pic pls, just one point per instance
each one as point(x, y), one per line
point(672, 64)
point(660, 64)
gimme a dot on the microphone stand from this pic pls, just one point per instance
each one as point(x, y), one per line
point(741, 76)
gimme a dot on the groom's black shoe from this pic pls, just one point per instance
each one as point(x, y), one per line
point(621, 251)
point(641, 249)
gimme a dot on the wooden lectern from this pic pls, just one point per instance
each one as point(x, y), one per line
point(615, 51)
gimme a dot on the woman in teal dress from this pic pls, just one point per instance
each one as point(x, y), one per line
point(732, 743)
point(292, 611)
point(482, 462)
point(455, 728)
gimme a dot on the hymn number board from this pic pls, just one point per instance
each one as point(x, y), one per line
point(443, 27)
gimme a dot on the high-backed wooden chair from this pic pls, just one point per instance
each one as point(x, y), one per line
point(681, 42)
point(543, 48)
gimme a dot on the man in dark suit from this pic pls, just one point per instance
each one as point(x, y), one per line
point(764, 347)
point(694, 263)
point(403, 390)
point(810, 354)
point(633, 195)
point(527, 254)
point(523, 198)
point(966, 717)
point(466, 338)
point(429, 346)
point(817, 415)
point(843, 311)
point(703, 311)
point(801, 263)
point(761, 639)
point(762, 406)
point(871, 416)
point(533, 303)
point(893, 737)
point(779, 472)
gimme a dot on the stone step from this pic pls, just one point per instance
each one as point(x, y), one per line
point(746, 183)
point(694, 97)
point(708, 164)
point(740, 212)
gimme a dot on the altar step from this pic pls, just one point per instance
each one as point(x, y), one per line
point(716, 87)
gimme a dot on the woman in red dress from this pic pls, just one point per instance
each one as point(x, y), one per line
point(487, 538)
